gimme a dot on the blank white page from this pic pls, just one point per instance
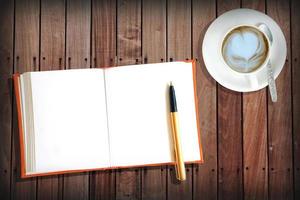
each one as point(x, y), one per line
point(138, 107)
point(70, 120)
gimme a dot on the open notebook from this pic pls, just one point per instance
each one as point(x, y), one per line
point(90, 119)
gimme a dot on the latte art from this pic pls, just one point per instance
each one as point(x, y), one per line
point(245, 49)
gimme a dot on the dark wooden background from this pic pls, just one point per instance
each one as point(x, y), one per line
point(251, 146)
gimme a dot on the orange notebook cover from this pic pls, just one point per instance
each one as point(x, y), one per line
point(17, 89)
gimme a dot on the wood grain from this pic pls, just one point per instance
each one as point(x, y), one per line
point(129, 32)
point(154, 51)
point(26, 59)
point(78, 34)
point(52, 34)
point(295, 33)
point(52, 55)
point(179, 30)
point(179, 48)
point(128, 181)
point(6, 70)
point(154, 31)
point(255, 145)
point(102, 183)
point(255, 134)
point(230, 147)
point(205, 175)
point(251, 146)
point(76, 186)
point(104, 33)
point(280, 116)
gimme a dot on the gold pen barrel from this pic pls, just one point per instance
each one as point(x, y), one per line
point(180, 168)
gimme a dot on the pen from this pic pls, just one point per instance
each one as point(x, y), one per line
point(180, 168)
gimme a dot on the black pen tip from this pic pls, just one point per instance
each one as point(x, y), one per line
point(173, 104)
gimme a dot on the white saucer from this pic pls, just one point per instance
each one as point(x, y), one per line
point(223, 74)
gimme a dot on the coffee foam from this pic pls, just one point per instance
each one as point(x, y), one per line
point(245, 49)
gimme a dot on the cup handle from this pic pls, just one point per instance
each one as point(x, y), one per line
point(266, 30)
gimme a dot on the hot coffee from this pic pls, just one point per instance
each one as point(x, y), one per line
point(245, 49)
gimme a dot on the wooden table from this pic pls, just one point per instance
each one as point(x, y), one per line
point(251, 146)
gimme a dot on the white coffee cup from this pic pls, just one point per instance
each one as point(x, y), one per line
point(246, 48)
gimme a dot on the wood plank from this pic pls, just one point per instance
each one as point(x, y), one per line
point(154, 31)
point(102, 183)
point(78, 34)
point(154, 51)
point(295, 20)
point(129, 32)
point(104, 33)
point(230, 147)
point(255, 134)
point(205, 175)
point(128, 181)
point(26, 59)
point(179, 48)
point(255, 145)
point(179, 29)
point(76, 186)
point(52, 34)
point(52, 58)
point(6, 70)
point(280, 116)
